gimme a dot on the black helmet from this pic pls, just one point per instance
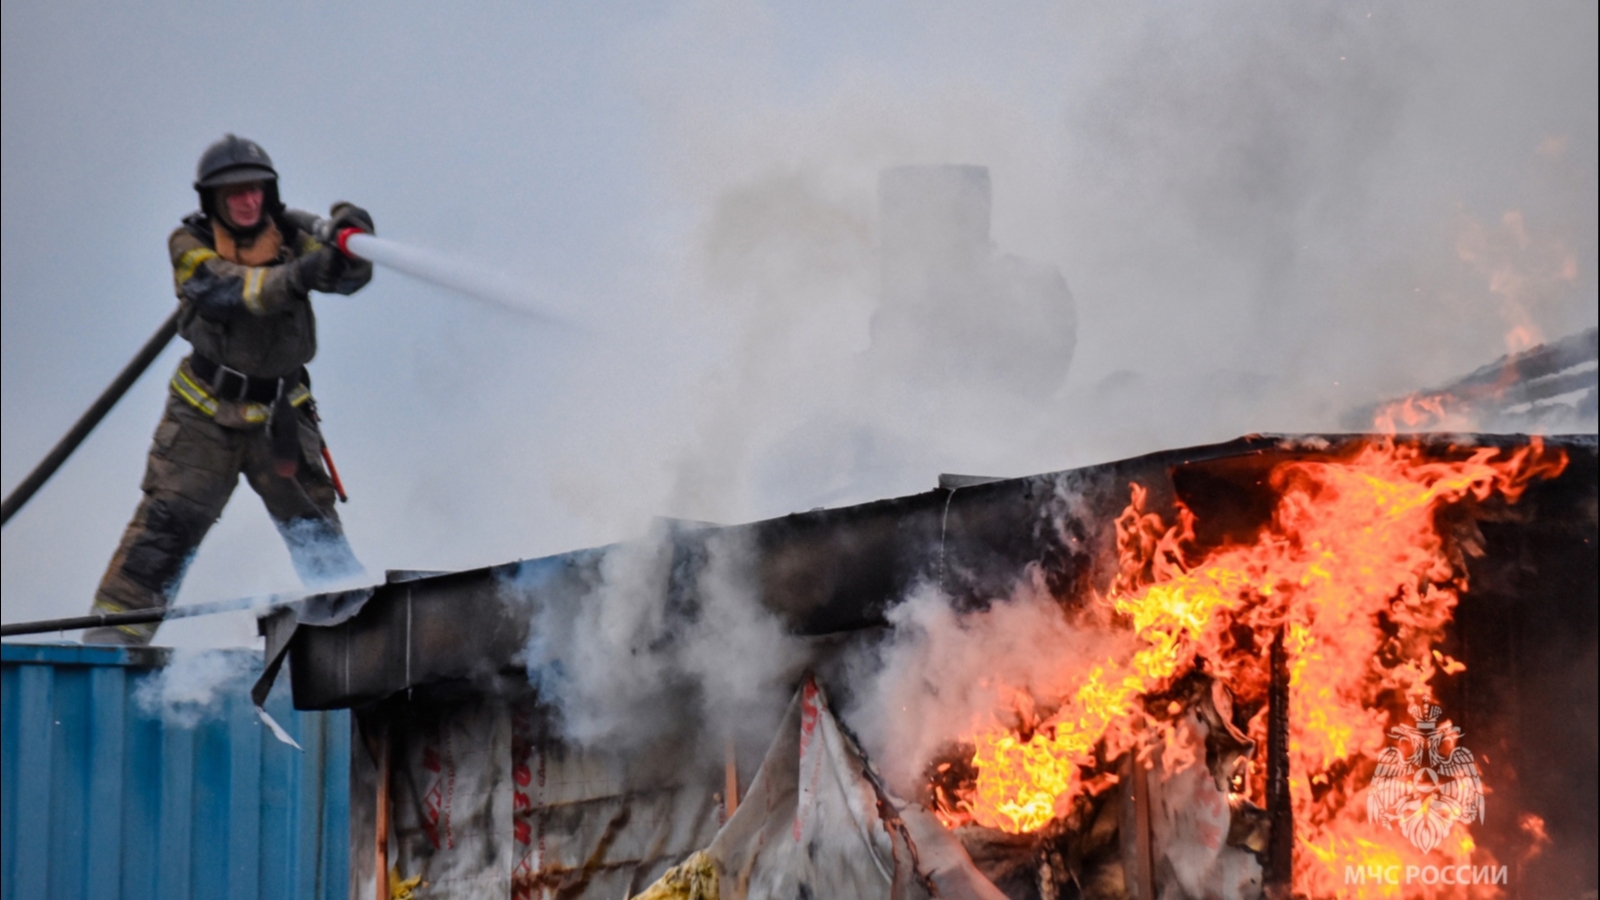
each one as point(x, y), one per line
point(232, 160)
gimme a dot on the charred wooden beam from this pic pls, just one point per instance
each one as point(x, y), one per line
point(730, 777)
point(380, 854)
point(1278, 868)
point(1137, 864)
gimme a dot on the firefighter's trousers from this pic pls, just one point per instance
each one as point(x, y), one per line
point(194, 466)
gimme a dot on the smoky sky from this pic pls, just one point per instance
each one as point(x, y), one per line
point(1266, 214)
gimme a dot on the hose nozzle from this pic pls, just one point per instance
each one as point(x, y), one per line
point(323, 230)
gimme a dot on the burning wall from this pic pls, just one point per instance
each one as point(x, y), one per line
point(1349, 587)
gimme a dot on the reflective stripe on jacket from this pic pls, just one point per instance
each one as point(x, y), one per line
point(194, 392)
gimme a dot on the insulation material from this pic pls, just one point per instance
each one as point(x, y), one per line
point(579, 831)
point(1189, 828)
point(809, 826)
point(693, 879)
point(816, 822)
point(451, 801)
point(941, 855)
point(487, 803)
point(1190, 817)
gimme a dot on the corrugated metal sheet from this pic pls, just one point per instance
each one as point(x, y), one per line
point(103, 797)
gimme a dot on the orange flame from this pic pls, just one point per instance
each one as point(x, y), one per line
point(1420, 412)
point(1352, 567)
point(1533, 827)
point(1526, 270)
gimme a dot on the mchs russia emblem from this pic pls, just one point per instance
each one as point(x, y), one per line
point(1426, 782)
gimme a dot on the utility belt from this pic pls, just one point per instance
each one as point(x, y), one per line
point(232, 384)
point(206, 385)
point(213, 383)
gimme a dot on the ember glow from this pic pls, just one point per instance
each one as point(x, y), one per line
point(1355, 571)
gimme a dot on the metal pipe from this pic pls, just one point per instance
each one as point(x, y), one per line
point(146, 616)
point(86, 423)
point(98, 620)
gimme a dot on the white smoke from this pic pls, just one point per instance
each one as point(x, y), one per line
point(739, 653)
point(944, 675)
point(195, 685)
point(1248, 207)
point(637, 660)
point(321, 556)
point(1261, 214)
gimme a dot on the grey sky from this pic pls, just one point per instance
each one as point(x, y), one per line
point(1267, 213)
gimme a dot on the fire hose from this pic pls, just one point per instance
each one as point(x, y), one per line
point(444, 271)
point(86, 423)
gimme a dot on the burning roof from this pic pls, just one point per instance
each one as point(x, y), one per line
point(1282, 649)
point(1547, 389)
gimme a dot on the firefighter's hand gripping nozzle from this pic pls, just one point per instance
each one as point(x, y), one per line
point(345, 220)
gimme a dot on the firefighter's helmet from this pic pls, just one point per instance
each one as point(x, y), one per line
point(236, 160)
point(233, 160)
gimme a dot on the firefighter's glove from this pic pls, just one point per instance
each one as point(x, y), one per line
point(316, 270)
point(349, 273)
point(348, 215)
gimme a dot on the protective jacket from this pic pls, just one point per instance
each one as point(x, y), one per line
point(247, 307)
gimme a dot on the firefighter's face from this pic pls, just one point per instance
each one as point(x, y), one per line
point(241, 203)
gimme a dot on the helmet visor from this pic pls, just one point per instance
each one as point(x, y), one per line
point(237, 175)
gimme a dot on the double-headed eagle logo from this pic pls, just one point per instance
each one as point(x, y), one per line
point(1427, 781)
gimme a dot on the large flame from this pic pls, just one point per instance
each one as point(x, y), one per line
point(1355, 573)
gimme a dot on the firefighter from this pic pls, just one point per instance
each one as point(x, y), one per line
point(240, 403)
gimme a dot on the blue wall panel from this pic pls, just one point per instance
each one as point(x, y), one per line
point(106, 797)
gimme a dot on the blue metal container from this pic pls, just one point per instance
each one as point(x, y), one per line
point(107, 796)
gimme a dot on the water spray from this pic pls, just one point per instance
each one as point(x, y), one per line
point(470, 280)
